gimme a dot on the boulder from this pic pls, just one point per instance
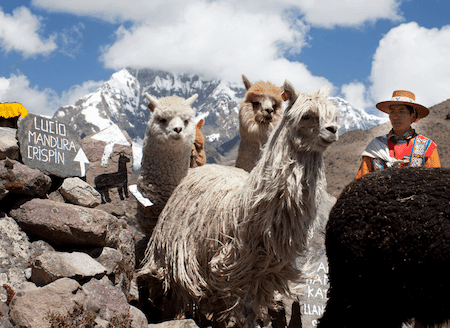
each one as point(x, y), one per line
point(185, 323)
point(31, 305)
point(14, 255)
point(67, 224)
point(20, 179)
point(109, 257)
point(9, 146)
point(52, 266)
point(78, 192)
point(111, 300)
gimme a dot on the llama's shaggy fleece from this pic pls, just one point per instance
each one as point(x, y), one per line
point(198, 155)
point(227, 240)
point(166, 154)
point(388, 247)
point(260, 111)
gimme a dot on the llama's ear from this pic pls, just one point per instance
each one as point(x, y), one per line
point(324, 91)
point(153, 102)
point(246, 82)
point(191, 100)
point(289, 92)
point(200, 124)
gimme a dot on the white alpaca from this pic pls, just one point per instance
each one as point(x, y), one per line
point(166, 154)
point(260, 111)
point(227, 240)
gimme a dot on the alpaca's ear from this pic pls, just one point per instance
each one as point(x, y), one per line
point(191, 100)
point(289, 92)
point(153, 102)
point(200, 124)
point(246, 82)
point(324, 91)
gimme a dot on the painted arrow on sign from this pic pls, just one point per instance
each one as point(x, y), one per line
point(81, 157)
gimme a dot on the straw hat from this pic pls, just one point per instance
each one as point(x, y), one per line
point(402, 97)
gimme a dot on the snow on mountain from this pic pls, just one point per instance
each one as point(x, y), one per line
point(352, 118)
point(121, 101)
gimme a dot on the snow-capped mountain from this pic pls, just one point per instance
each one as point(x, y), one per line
point(121, 101)
point(352, 118)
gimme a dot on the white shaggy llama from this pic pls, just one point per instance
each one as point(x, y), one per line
point(260, 111)
point(227, 239)
point(166, 154)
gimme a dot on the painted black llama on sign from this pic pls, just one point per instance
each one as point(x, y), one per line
point(119, 180)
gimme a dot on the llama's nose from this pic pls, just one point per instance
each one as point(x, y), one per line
point(178, 129)
point(332, 128)
point(269, 110)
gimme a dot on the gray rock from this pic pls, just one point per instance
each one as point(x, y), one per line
point(110, 258)
point(185, 323)
point(14, 255)
point(78, 192)
point(66, 224)
point(30, 307)
point(4, 316)
point(9, 146)
point(40, 247)
point(51, 266)
point(22, 180)
point(138, 318)
point(110, 299)
point(56, 197)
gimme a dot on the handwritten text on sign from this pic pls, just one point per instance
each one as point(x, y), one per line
point(316, 294)
point(48, 142)
point(51, 146)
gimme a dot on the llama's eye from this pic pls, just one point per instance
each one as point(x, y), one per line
point(255, 104)
point(186, 121)
point(162, 120)
point(306, 117)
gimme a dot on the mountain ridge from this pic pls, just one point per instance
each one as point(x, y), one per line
point(121, 101)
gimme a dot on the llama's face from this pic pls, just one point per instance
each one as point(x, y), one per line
point(264, 107)
point(314, 122)
point(172, 121)
point(260, 111)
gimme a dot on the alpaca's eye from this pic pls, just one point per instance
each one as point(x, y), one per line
point(186, 121)
point(306, 117)
point(255, 104)
point(162, 120)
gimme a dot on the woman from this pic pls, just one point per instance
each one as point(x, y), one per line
point(402, 146)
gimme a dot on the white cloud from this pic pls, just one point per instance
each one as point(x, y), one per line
point(157, 11)
point(414, 58)
point(355, 94)
point(223, 38)
point(216, 41)
point(70, 40)
point(17, 88)
point(348, 13)
point(20, 32)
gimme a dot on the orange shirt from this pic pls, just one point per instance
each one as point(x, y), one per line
point(403, 151)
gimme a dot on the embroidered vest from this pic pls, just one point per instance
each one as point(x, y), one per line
point(416, 158)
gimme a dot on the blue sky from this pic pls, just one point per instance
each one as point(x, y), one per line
point(53, 52)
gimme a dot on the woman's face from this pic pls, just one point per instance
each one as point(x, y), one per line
point(400, 118)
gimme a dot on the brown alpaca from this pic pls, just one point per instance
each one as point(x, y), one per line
point(260, 112)
point(198, 155)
